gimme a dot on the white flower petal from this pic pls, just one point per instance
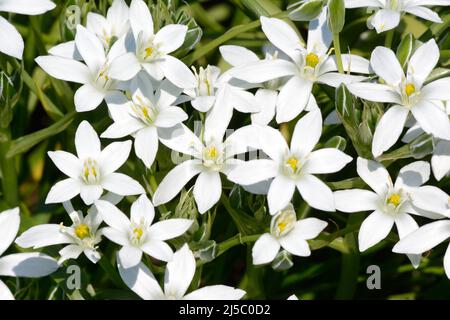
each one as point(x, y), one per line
point(90, 193)
point(142, 210)
point(67, 163)
point(423, 61)
point(90, 48)
point(170, 116)
point(447, 262)
point(64, 69)
point(309, 228)
point(288, 107)
point(129, 256)
point(175, 180)
point(157, 249)
point(87, 142)
point(9, 226)
point(362, 3)
point(374, 174)
point(253, 171)
point(319, 35)
point(122, 184)
point(237, 56)
point(294, 245)
point(307, 133)
point(437, 90)
point(267, 99)
point(281, 35)
point(385, 19)
point(5, 293)
point(430, 198)
point(217, 292)
point(88, 97)
point(140, 280)
point(179, 273)
point(169, 38)
point(425, 238)
point(177, 72)
point(27, 7)
point(169, 229)
point(71, 251)
point(140, 18)
point(414, 174)
point(122, 129)
point(114, 156)
point(265, 70)
point(11, 42)
point(29, 265)
point(316, 193)
point(327, 160)
point(119, 237)
point(112, 216)
point(207, 190)
point(374, 92)
point(374, 228)
point(389, 129)
point(385, 64)
point(272, 142)
point(280, 193)
point(180, 138)
point(355, 200)
point(63, 191)
point(124, 67)
point(432, 119)
point(146, 145)
point(42, 235)
point(424, 13)
point(440, 161)
point(265, 249)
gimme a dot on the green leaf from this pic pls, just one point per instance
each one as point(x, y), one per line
point(337, 142)
point(336, 15)
point(305, 11)
point(25, 143)
point(405, 49)
point(437, 74)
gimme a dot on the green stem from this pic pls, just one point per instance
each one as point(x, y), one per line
point(8, 169)
point(389, 38)
point(350, 262)
point(337, 49)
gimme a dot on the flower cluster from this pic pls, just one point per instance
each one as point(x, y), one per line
point(152, 97)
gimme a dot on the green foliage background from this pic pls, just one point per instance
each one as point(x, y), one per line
point(43, 118)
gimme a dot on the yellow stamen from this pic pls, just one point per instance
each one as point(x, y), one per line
point(312, 60)
point(212, 152)
point(138, 233)
point(394, 199)
point(410, 89)
point(82, 231)
point(148, 52)
point(293, 163)
point(281, 226)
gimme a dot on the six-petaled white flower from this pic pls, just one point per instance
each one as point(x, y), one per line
point(94, 75)
point(151, 52)
point(144, 115)
point(138, 233)
point(287, 233)
point(179, 274)
point(392, 203)
point(92, 170)
point(308, 65)
point(409, 93)
point(293, 167)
